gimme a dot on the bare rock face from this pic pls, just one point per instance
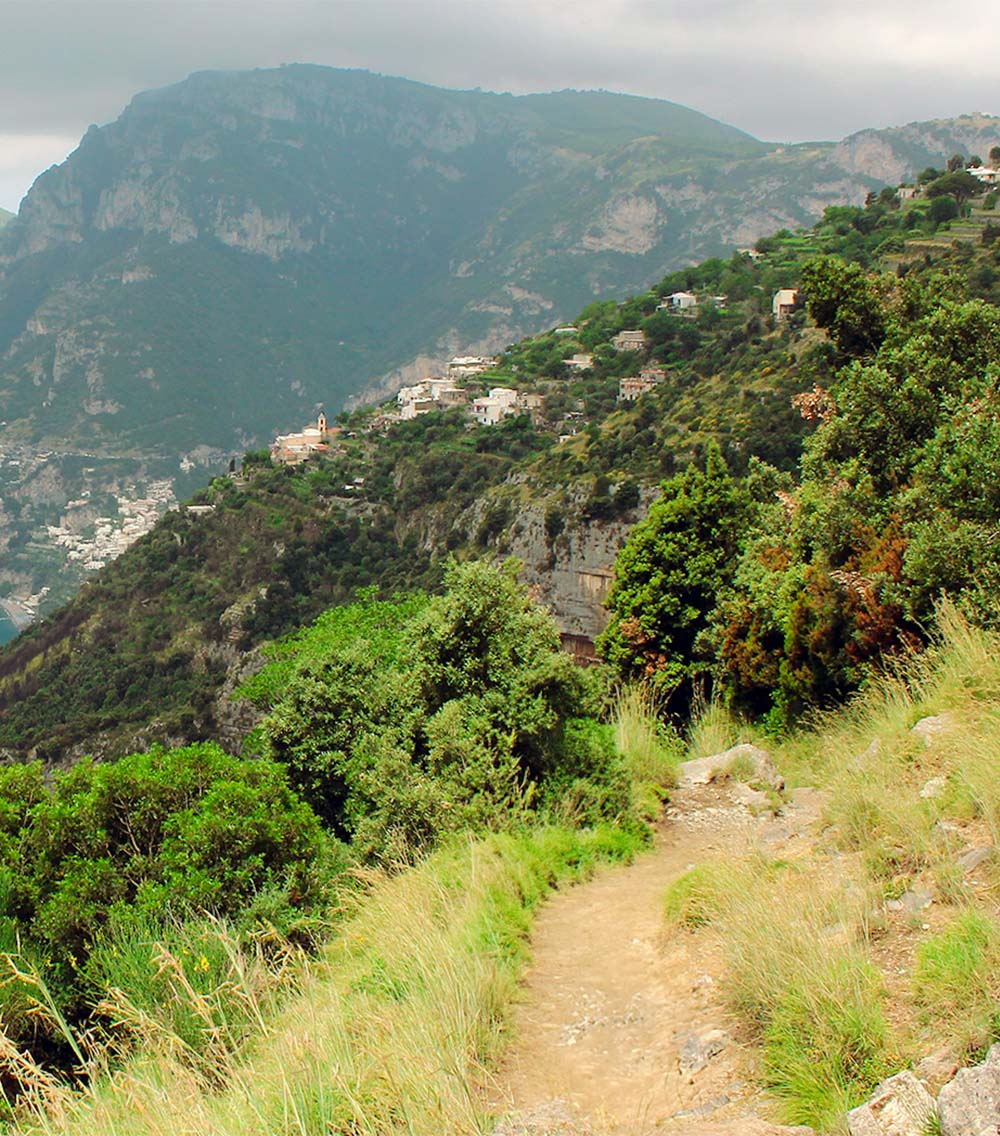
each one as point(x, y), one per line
point(969, 1105)
point(572, 572)
point(900, 1106)
point(630, 224)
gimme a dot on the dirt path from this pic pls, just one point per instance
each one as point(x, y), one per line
point(622, 1028)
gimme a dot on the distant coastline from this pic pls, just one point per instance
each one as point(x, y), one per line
point(17, 615)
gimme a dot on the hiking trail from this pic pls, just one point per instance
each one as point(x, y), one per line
point(622, 1028)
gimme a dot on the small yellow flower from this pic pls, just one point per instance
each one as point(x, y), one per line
point(203, 963)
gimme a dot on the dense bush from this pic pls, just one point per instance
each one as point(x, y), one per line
point(785, 604)
point(423, 717)
point(108, 852)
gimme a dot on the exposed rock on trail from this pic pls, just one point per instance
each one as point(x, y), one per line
point(622, 1029)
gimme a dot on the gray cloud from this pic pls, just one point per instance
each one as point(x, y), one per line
point(784, 72)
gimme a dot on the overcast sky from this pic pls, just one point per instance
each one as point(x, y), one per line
point(782, 71)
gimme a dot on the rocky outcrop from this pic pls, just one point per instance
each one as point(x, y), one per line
point(900, 1106)
point(746, 762)
point(969, 1105)
point(968, 1102)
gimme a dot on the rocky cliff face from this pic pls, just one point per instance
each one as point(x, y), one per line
point(895, 155)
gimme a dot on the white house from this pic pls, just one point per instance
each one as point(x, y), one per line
point(430, 394)
point(785, 302)
point(678, 301)
point(490, 409)
point(414, 407)
point(986, 174)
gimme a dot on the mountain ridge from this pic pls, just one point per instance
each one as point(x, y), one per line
point(239, 248)
point(576, 194)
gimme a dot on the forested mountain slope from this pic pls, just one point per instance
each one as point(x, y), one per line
point(151, 641)
point(239, 247)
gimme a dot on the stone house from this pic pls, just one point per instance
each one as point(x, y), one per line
point(631, 388)
point(579, 362)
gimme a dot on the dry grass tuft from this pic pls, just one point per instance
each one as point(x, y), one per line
point(713, 729)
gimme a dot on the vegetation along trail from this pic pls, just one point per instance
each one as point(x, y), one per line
point(622, 1028)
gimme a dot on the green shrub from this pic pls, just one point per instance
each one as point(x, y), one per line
point(458, 713)
point(112, 850)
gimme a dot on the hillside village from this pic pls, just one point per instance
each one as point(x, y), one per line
point(492, 405)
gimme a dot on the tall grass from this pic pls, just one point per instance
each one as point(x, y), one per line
point(651, 749)
point(191, 991)
point(957, 981)
point(713, 728)
point(799, 973)
point(797, 976)
point(386, 1033)
point(801, 963)
point(875, 767)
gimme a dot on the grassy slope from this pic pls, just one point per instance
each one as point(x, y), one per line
point(389, 1028)
point(836, 981)
point(836, 989)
